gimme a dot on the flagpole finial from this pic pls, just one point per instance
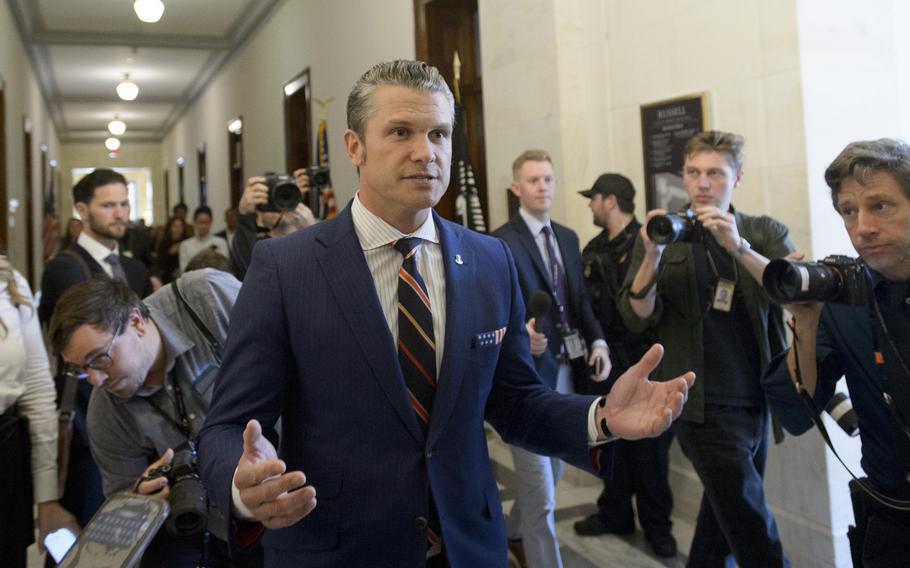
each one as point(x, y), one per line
point(456, 66)
point(324, 106)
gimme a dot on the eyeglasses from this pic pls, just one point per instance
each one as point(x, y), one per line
point(100, 362)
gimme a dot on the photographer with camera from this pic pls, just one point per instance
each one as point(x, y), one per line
point(261, 215)
point(695, 281)
point(153, 365)
point(859, 328)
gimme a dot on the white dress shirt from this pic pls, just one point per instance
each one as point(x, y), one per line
point(194, 245)
point(376, 239)
point(98, 251)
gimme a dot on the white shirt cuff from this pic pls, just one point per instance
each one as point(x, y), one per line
point(238, 508)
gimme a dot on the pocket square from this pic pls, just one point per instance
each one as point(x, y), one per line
point(488, 338)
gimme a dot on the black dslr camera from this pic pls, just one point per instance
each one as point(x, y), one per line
point(682, 227)
point(284, 195)
point(836, 278)
point(187, 499)
point(319, 176)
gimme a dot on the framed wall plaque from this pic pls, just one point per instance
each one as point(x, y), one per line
point(666, 126)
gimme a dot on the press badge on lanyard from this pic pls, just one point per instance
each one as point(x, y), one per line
point(723, 295)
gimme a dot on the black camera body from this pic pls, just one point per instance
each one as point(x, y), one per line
point(836, 278)
point(682, 227)
point(284, 195)
point(319, 176)
point(187, 498)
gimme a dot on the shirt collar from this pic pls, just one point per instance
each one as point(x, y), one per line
point(175, 344)
point(373, 232)
point(534, 224)
point(97, 250)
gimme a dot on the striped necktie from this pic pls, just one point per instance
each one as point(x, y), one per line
point(417, 357)
point(416, 341)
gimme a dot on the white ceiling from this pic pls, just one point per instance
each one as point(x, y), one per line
point(81, 48)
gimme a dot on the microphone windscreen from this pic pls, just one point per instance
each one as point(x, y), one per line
point(539, 306)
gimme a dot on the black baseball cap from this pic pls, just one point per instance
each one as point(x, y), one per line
point(611, 184)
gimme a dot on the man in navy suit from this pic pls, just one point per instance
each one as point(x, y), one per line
point(548, 259)
point(339, 330)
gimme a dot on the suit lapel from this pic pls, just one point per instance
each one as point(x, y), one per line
point(459, 323)
point(530, 246)
point(344, 267)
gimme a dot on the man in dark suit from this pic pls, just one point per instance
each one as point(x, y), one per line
point(102, 201)
point(344, 326)
point(548, 258)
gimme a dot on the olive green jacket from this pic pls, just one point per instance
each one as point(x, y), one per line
point(677, 313)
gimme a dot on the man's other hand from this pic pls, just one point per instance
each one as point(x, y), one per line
point(638, 408)
point(302, 180)
point(51, 517)
point(538, 340)
point(255, 193)
point(153, 486)
point(276, 498)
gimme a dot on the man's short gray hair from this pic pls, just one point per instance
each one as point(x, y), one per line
point(414, 74)
point(859, 160)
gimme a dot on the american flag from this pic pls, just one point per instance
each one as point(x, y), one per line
point(326, 196)
point(50, 224)
point(467, 203)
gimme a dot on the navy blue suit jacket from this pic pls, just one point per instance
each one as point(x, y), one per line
point(309, 344)
point(533, 276)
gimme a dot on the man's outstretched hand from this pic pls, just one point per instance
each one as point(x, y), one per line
point(276, 498)
point(638, 408)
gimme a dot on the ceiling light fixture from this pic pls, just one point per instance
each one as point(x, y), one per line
point(127, 90)
point(112, 143)
point(149, 10)
point(116, 127)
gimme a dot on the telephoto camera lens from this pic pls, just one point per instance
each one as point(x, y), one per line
point(835, 279)
point(841, 410)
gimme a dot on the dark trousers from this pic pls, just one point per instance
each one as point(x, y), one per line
point(640, 470)
point(16, 530)
point(729, 451)
point(881, 537)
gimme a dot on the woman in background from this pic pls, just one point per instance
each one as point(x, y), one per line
point(73, 228)
point(167, 263)
point(28, 425)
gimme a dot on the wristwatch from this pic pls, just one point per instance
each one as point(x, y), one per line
point(744, 246)
point(604, 428)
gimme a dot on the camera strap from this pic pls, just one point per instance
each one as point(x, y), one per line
point(815, 414)
point(182, 422)
point(882, 336)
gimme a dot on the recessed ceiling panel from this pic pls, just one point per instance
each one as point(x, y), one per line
point(82, 116)
point(181, 17)
point(86, 71)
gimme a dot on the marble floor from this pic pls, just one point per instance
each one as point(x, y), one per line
point(575, 498)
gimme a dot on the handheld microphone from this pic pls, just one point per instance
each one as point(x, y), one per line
point(539, 306)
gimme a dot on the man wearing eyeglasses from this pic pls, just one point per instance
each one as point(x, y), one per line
point(153, 365)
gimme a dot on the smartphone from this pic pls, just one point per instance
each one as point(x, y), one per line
point(59, 542)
